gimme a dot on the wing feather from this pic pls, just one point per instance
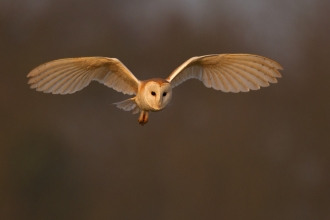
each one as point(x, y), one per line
point(128, 105)
point(227, 84)
point(262, 73)
point(255, 59)
point(261, 67)
point(68, 81)
point(55, 81)
point(217, 80)
point(56, 86)
point(214, 80)
point(70, 84)
point(221, 82)
point(228, 72)
point(207, 78)
point(75, 85)
point(246, 80)
point(82, 82)
point(231, 82)
point(69, 75)
point(45, 74)
point(255, 72)
point(256, 79)
point(48, 79)
point(234, 82)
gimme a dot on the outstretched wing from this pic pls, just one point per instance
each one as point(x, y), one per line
point(73, 74)
point(228, 72)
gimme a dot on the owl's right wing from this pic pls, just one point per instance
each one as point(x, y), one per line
point(228, 72)
point(73, 74)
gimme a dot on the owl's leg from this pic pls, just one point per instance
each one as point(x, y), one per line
point(143, 119)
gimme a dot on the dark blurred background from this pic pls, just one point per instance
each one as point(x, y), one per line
point(210, 155)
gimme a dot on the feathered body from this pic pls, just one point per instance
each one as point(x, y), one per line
point(225, 72)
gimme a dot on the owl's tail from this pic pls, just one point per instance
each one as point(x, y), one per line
point(128, 105)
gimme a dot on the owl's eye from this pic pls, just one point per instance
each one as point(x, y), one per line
point(153, 93)
point(164, 94)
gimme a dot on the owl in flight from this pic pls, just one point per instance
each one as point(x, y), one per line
point(225, 72)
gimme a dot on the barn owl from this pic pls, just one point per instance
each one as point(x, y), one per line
point(225, 72)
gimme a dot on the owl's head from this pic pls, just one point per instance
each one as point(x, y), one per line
point(157, 93)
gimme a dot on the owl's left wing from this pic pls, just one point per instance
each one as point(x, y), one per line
point(228, 72)
point(69, 75)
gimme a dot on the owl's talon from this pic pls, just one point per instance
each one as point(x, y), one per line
point(143, 119)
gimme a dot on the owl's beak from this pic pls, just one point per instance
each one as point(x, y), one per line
point(160, 102)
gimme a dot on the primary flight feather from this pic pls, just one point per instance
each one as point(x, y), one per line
point(225, 72)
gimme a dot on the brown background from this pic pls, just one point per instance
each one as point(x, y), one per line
point(210, 155)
